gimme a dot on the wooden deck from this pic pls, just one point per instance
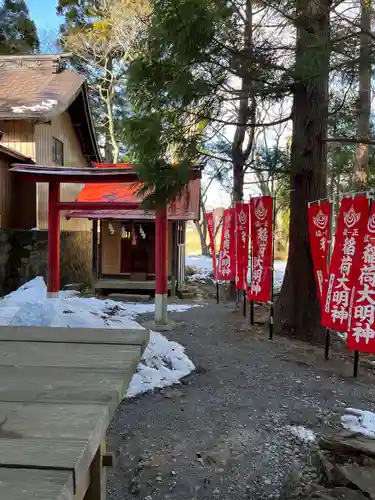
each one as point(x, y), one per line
point(126, 284)
point(59, 390)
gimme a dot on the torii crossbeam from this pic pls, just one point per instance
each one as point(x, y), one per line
point(54, 176)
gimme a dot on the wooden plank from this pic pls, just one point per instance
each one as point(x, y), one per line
point(43, 384)
point(97, 489)
point(23, 484)
point(67, 355)
point(69, 455)
point(54, 421)
point(122, 284)
point(75, 335)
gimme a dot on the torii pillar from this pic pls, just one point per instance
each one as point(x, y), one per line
point(161, 272)
point(53, 276)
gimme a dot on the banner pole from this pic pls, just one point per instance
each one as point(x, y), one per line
point(356, 362)
point(270, 326)
point(328, 332)
point(327, 344)
point(244, 303)
point(217, 293)
point(251, 269)
point(356, 353)
point(251, 312)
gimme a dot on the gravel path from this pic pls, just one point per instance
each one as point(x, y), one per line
point(225, 433)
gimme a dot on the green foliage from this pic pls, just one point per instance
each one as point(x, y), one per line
point(76, 12)
point(171, 86)
point(18, 34)
point(161, 180)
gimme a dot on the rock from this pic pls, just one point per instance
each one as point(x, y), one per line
point(187, 295)
point(134, 486)
point(360, 477)
point(77, 287)
point(290, 484)
point(326, 466)
point(341, 493)
point(173, 394)
point(348, 444)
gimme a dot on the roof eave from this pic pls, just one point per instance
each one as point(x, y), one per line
point(90, 122)
point(17, 155)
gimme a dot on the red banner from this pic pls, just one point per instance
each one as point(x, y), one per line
point(319, 217)
point(261, 241)
point(211, 234)
point(345, 264)
point(242, 211)
point(226, 270)
point(361, 329)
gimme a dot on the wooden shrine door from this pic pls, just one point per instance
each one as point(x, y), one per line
point(138, 253)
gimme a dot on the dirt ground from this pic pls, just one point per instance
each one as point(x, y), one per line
point(227, 431)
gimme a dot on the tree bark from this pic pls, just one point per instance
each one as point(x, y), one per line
point(360, 173)
point(246, 112)
point(297, 310)
point(106, 94)
point(202, 230)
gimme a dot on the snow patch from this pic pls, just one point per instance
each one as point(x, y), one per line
point(361, 421)
point(163, 362)
point(302, 433)
point(43, 106)
point(203, 267)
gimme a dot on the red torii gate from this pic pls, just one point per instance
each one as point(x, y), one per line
point(54, 176)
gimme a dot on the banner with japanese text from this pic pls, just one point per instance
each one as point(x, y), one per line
point(261, 213)
point(242, 213)
point(211, 235)
point(319, 217)
point(361, 329)
point(345, 264)
point(226, 270)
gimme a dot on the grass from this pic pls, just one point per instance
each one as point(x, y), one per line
point(193, 242)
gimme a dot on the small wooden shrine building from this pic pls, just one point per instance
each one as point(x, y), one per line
point(124, 240)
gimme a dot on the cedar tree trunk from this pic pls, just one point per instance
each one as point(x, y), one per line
point(297, 310)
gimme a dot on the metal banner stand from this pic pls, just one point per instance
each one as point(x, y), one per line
point(270, 325)
point(328, 332)
point(251, 272)
point(217, 293)
point(327, 341)
point(252, 313)
point(327, 344)
point(356, 363)
point(244, 303)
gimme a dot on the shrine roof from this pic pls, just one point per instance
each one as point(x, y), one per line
point(39, 173)
point(184, 208)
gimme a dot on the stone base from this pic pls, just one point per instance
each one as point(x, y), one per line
point(151, 325)
point(161, 308)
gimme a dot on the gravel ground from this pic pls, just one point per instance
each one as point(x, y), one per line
point(225, 432)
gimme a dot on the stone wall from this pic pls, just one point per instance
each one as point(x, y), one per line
point(23, 256)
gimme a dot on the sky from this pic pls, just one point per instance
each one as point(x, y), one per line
point(43, 13)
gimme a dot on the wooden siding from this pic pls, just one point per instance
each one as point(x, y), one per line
point(6, 192)
point(19, 135)
point(17, 198)
point(62, 129)
point(111, 249)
